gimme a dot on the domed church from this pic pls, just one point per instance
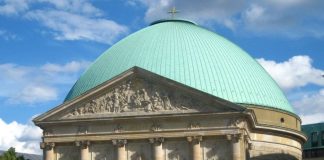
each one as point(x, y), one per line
point(173, 91)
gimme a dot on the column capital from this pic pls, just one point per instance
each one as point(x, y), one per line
point(48, 148)
point(250, 146)
point(234, 137)
point(194, 139)
point(158, 140)
point(82, 144)
point(196, 150)
point(157, 148)
point(47, 145)
point(119, 142)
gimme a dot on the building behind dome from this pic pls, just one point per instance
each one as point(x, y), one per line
point(173, 91)
point(313, 149)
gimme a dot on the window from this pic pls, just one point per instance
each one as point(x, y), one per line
point(314, 139)
point(282, 120)
point(322, 138)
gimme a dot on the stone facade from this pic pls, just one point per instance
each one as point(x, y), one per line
point(141, 116)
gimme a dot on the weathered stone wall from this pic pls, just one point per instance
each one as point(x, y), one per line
point(270, 146)
point(136, 118)
point(66, 152)
point(212, 148)
point(277, 118)
point(216, 149)
point(102, 151)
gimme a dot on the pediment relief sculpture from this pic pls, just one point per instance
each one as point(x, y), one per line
point(237, 122)
point(137, 95)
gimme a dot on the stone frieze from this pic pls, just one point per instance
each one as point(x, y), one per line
point(137, 96)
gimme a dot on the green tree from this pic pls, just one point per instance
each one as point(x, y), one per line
point(11, 155)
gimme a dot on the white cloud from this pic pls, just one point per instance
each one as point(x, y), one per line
point(34, 93)
point(312, 118)
point(292, 18)
point(67, 19)
point(296, 72)
point(7, 35)
point(25, 84)
point(299, 18)
point(73, 66)
point(254, 13)
point(293, 76)
point(315, 101)
point(23, 137)
point(218, 11)
point(70, 26)
point(310, 107)
point(13, 7)
point(75, 6)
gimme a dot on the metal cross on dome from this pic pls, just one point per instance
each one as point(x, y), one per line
point(173, 11)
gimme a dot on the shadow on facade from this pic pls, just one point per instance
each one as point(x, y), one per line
point(277, 156)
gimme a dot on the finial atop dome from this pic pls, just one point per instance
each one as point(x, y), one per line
point(173, 12)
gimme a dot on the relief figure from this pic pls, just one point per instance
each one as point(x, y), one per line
point(124, 98)
point(157, 102)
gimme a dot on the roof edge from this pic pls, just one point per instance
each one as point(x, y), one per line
point(249, 105)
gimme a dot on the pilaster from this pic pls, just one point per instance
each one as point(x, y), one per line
point(121, 148)
point(157, 148)
point(48, 149)
point(238, 150)
point(84, 149)
point(196, 150)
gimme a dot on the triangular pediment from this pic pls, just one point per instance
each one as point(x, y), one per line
point(138, 92)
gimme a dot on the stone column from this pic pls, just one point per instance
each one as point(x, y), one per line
point(121, 148)
point(196, 150)
point(237, 149)
point(48, 150)
point(84, 149)
point(158, 153)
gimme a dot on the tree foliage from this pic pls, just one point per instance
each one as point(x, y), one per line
point(11, 155)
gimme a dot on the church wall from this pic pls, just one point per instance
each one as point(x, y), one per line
point(102, 151)
point(176, 150)
point(175, 130)
point(106, 130)
point(182, 125)
point(213, 148)
point(216, 149)
point(260, 150)
point(139, 150)
point(267, 145)
point(271, 138)
point(276, 118)
point(66, 152)
point(214, 145)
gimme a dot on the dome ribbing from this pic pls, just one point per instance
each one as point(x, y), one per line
point(191, 55)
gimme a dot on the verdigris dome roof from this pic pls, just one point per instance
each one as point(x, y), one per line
point(191, 55)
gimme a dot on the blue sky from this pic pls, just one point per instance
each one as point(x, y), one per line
point(46, 44)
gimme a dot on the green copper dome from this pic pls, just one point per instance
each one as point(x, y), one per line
point(191, 55)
